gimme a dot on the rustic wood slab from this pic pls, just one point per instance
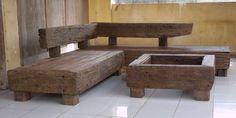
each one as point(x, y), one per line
point(222, 53)
point(143, 30)
point(56, 36)
point(172, 71)
point(70, 74)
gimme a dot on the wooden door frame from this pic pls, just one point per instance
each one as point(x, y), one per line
point(3, 73)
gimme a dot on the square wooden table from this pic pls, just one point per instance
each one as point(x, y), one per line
point(188, 72)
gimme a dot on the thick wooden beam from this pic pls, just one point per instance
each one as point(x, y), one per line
point(53, 37)
point(2, 53)
point(147, 30)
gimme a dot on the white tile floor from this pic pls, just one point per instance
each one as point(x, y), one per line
point(110, 99)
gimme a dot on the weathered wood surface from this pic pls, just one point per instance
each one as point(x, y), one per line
point(76, 12)
point(143, 30)
point(222, 53)
point(52, 37)
point(147, 73)
point(69, 74)
point(31, 17)
point(35, 14)
point(3, 77)
point(55, 13)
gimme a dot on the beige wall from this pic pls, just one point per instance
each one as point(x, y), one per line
point(214, 23)
point(11, 36)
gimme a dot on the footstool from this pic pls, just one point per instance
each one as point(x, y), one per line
point(188, 72)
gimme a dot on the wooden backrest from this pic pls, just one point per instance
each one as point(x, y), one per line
point(143, 30)
point(57, 36)
point(53, 38)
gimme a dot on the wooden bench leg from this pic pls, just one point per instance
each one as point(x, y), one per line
point(221, 72)
point(187, 91)
point(202, 95)
point(117, 73)
point(70, 99)
point(22, 96)
point(137, 92)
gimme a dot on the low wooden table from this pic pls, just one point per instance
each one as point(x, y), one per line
point(189, 72)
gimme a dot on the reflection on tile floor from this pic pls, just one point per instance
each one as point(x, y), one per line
point(110, 99)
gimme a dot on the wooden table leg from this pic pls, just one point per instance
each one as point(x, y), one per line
point(70, 99)
point(22, 96)
point(137, 92)
point(202, 95)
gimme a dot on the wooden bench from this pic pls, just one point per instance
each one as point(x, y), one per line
point(68, 74)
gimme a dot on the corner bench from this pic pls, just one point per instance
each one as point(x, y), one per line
point(68, 74)
point(161, 31)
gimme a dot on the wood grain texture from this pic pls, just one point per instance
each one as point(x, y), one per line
point(147, 30)
point(55, 13)
point(31, 17)
point(222, 53)
point(76, 12)
point(53, 37)
point(3, 77)
point(22, 96)
point(164, 75)
point(70, 74)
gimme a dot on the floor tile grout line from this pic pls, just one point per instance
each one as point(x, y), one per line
point(64, 112)
point(213, 101)
point(180, 99)
point(113, 99)
point(22, 116)
point(144, 104)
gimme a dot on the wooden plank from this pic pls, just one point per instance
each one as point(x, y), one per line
point(144, 30)
point(76, 12)
point(55, 13)
point(31, 17)
point(3, 77)
point(53, 37)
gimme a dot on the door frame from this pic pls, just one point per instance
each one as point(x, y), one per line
point(3, 72)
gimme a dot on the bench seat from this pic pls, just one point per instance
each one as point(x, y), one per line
point(222, 53)
point(69, 75)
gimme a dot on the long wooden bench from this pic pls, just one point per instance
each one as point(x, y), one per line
point(68, 74)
